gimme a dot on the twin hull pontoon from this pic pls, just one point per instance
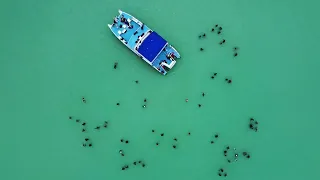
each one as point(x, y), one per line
point(144, 42)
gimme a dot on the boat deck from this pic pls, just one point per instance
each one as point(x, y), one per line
point(162, 57)
point(136, 34)
point(130, 35)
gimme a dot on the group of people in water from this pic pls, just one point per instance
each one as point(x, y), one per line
point(234, 154)
point(231, 154)
point(135, 163)
point(218, 29)
point(228, 80)
point(253, 124)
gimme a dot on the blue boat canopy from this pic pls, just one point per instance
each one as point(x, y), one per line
point(152, 46)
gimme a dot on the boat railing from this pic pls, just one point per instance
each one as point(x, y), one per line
point(142, 39)
point(136, 21)
point(122, 40)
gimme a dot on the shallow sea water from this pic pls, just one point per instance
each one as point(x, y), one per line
point(54, 52)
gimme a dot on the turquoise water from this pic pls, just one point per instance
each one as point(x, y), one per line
point(53, 53)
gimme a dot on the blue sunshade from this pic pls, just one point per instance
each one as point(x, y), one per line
point(152, 46)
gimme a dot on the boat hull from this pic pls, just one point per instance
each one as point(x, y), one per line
point(144, 42)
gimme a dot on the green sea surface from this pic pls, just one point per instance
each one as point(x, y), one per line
point(53, 53)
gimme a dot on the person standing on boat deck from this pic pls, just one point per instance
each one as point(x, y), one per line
point(172, 55)
point(124, 20)
point(115, 20)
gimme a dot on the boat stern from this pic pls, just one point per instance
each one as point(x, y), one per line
point(172, 64)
